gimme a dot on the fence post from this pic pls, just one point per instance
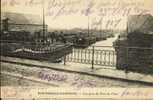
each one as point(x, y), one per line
point(127, 62)
point(64, 59)
point(93, 51)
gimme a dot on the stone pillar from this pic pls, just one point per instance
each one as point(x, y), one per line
point(121, 54)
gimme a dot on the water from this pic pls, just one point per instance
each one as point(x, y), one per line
point(108, 42)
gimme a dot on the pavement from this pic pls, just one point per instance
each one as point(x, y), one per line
point(99, 71)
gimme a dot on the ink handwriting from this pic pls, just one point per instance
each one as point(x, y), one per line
point(137, 93)
point(58, 8)
point(51, 76)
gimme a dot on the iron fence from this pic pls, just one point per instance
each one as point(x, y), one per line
point(104, 56)
point(120, 57)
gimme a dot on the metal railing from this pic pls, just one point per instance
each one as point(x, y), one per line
point(104, 56)
point(123, 57)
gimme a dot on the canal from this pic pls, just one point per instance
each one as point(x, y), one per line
point(103, 43)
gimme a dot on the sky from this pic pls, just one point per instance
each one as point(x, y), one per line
point(68, 14)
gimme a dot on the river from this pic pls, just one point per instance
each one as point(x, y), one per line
point(104, 43)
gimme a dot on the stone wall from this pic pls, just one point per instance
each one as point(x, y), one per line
point(141, 57)
point(136, 52)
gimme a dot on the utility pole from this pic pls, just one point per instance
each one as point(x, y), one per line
point(101, 28)
point(44, 28)
point(88, 25)
point(127, 26)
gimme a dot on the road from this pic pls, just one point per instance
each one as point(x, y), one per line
point(22, 75)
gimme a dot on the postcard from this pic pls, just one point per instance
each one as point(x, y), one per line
point(76, 49)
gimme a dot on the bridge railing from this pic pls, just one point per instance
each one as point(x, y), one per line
point(105, 56)
point(121, 57)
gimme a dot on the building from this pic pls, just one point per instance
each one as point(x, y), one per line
point(22, 22)
point(142, 23)
point(135, 47)
point(24, 36)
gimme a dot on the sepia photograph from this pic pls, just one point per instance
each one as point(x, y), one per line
point(69, 49)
